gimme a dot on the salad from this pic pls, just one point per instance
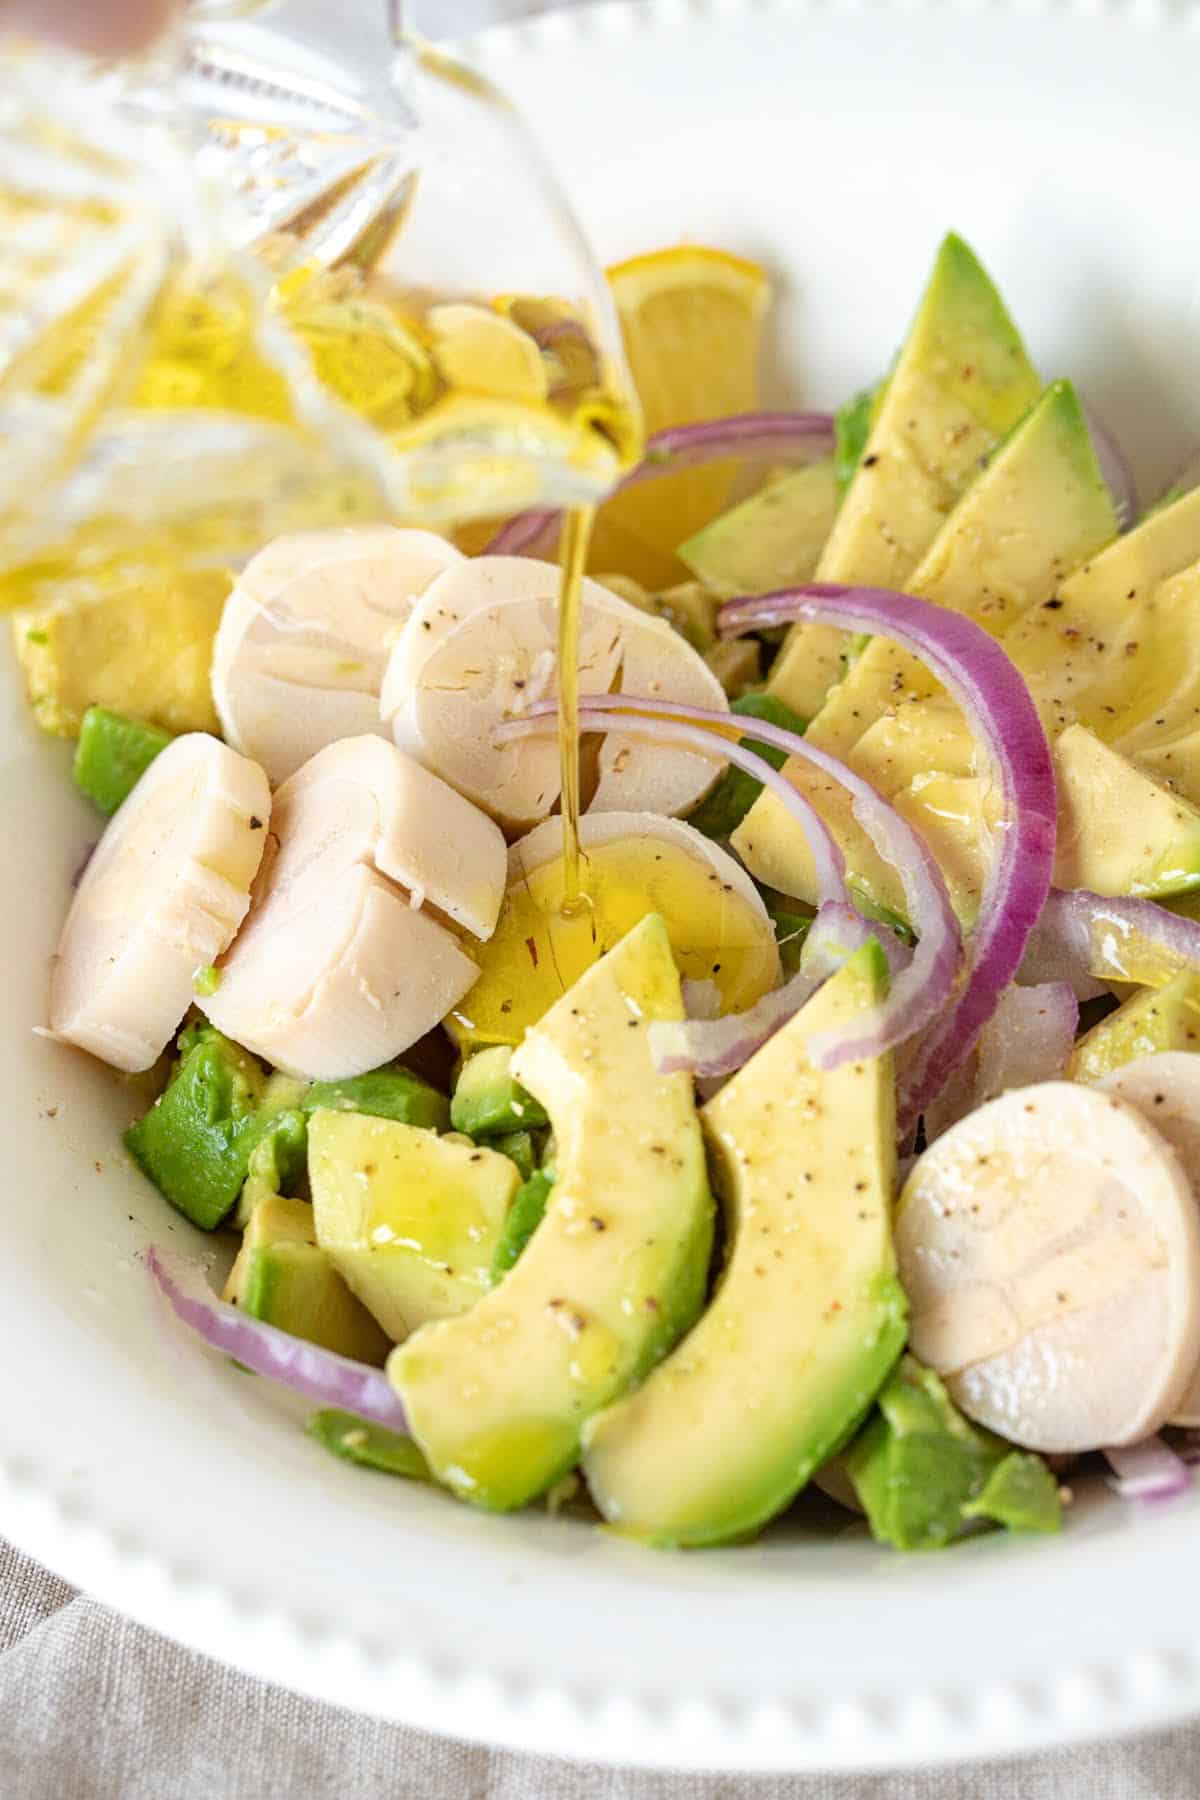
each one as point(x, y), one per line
point(845, 1138)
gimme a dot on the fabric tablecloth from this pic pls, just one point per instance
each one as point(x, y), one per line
point(93, 1707)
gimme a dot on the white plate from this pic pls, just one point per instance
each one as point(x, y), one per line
point(837, 144)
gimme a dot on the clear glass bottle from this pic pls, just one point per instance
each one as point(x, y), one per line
point(257, 283)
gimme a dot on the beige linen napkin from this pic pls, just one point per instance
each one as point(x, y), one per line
point(94, 1708)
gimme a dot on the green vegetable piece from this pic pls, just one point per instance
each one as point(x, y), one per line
point(387, 1093)
point(723, 809)
point(112, 755)
point(206, 981)
point(922, 1471)
point(196, 1140)
point(370, 1446)
point(1020, 1493)
point(852, 427)
point(791, 929)
point(519, 1147)
point(523, 1218)
point(276, 1161)
point(487, 1102)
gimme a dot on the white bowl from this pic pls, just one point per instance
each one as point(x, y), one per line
point(836, 143)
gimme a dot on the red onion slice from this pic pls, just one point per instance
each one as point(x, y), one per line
point(1114, 466)
point(291, 1361)
point(790, 436)
point(1089, 938)
point(920, 989)
point(1147, 1471)
point(991, 693)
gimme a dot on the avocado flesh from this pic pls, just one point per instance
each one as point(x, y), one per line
point(1039, 508)
point(387, 1093)
point(1120, 832)
point(524, 1216)
point(487, 1102)
point(808, 1316)
point(112, 755)
point(772, 540)
point(961, 381)
point(196, 1141)
point(410, 1220)
point(283, 1278)
point(371, 1446)
point(1151, 1021)
point(616, 1270)
point(922, 1472)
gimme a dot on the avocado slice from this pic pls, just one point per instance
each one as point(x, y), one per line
point(726, 804)
point(1149, 1022)
point(1082, 652)
point(961, 381)
point(281, 1277)
point(616, 1270)
point(921, 1472)
point(1119, 832)
point(772, 540)
point(411, 1220)
point(196, 1141)
point(370, 1446)
point(112, 755)
point(487, 1102)
point(808, 1317)
point(1039, 508)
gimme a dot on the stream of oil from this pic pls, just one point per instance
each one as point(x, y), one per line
point(577, 533)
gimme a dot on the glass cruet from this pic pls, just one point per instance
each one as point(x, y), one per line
point(253, 283)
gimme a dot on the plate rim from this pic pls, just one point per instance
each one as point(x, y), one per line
point(1155, 1682)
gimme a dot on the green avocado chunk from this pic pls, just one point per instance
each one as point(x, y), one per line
point(112, 755)
point(388, 1093)
point(220, 1111)
point(283, 1278)
point(726, 804)
point(411, 1220)
point(370, 1446)
point(617, 1269)
point(922, 1471)
point(1149, 1022)
point(808, 1316)
point(524, 1216)
point(521, 1148)
point(196, 1141)
point(487, 1102)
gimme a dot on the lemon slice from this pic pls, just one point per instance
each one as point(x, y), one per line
point(692, 323)
point(485, 353)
